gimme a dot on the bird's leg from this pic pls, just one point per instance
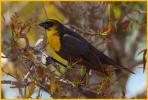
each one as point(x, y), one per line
point(48, 60)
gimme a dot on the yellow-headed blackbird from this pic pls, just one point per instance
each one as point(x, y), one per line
point(71, 46)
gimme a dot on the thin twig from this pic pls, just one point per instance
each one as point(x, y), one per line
point(4, 57)
point(16, 83)
point(45, 10)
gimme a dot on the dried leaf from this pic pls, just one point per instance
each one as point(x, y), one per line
point(30, 89)
point(21, 42)
point(9, 68)
point(41, 73)
point(19, 73)
point(107, 29)
point(52, 84)
point(125, 24)
point(59, 87)
point(74, 75)
point(110, 43)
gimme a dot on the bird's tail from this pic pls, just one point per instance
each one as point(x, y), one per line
point(106, 60)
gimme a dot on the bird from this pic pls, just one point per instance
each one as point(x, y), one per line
point(71, 46)
point(47, 59)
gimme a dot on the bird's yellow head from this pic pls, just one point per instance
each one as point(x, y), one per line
point(52, 28)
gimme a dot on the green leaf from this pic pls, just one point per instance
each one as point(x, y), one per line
point(117, 12)
point(74, 83)
point(102, 34)
point(82, 71)
point(61, 69)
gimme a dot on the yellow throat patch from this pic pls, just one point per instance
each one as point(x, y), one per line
point(54, 45)
point(54, 39)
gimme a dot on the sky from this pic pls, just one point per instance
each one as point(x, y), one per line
point(136, 83)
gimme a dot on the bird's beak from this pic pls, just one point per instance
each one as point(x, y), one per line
point(42, 25)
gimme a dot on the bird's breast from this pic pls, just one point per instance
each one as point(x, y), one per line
point(54, 40)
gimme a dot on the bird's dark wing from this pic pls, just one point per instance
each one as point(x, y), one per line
point(107, 60)
point(84, 46)
point(75, 47)
point(72, 46)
